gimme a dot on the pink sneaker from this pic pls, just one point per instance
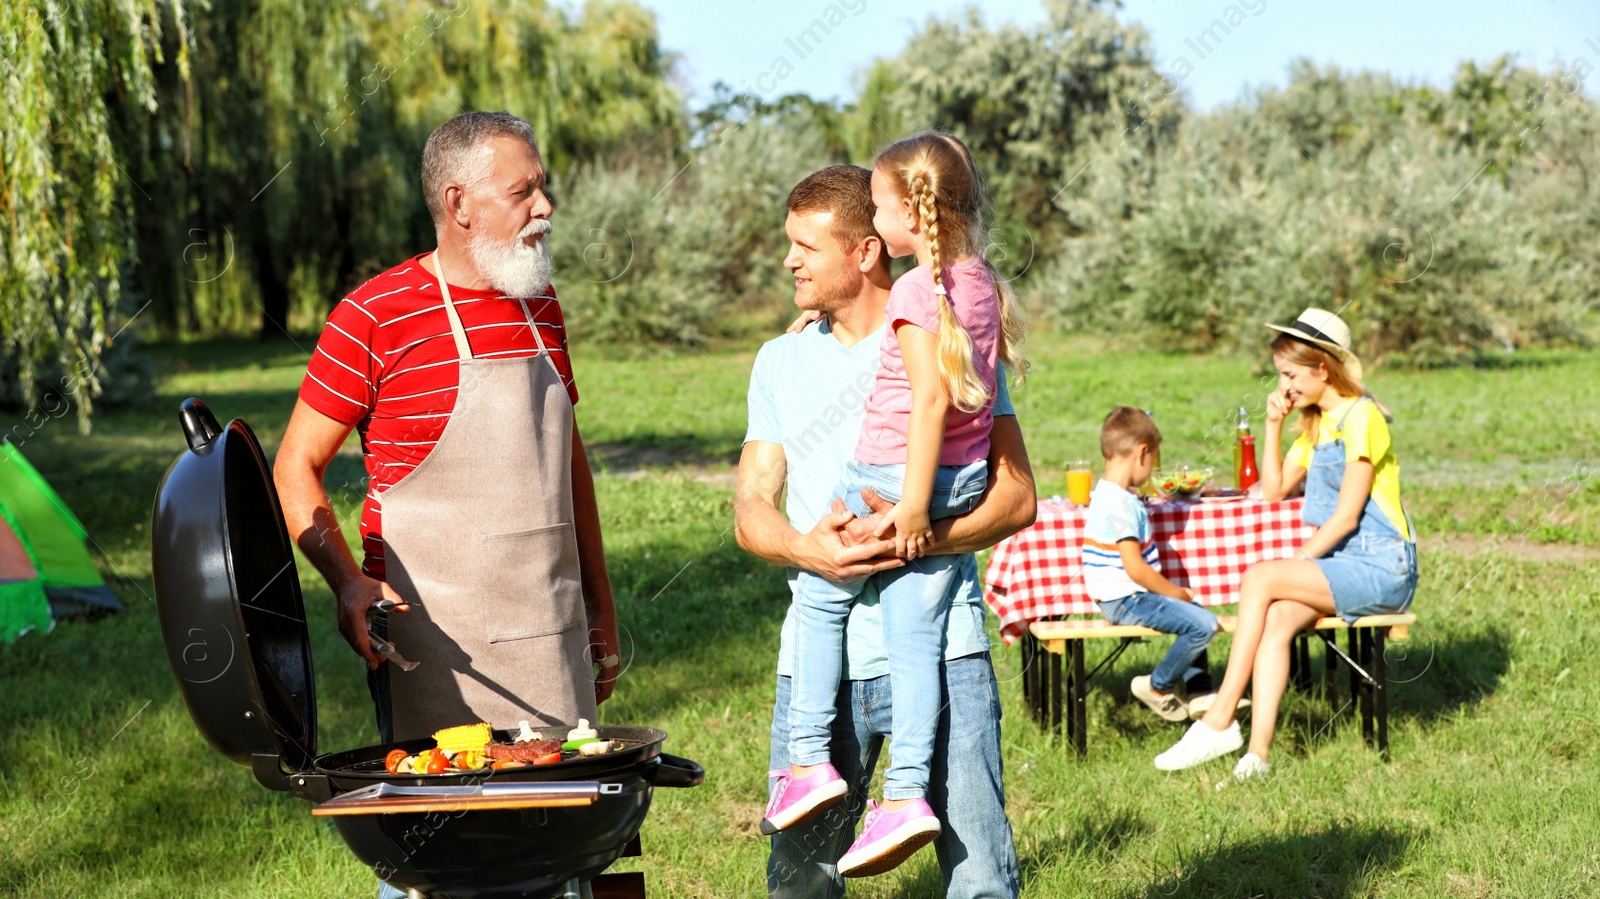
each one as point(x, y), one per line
point(796, 800)
point(889, 838)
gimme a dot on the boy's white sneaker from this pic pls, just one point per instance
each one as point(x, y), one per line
point(1251, 766)
point(1199, 705)
point(1169, 706)
point(1200, 744)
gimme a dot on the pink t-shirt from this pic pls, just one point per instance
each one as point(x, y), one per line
point(912, 300)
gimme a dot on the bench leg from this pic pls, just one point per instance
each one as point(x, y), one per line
point(1077, 712)
point(1202, 682)
point(1355, 676)
point(1380, 690)
point(1030, 661)
point(1305, 659)
point(1330, 676)
point(1368, 694)
point(1053, 678)
point(1300, 662)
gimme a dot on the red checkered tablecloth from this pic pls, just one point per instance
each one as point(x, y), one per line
point(1206, 547)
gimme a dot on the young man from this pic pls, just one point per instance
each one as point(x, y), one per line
point(807, 396)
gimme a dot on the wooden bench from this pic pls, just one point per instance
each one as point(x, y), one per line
point(1042, 684)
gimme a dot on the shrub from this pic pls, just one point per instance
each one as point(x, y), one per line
point(1366, 207)
point(661, 252)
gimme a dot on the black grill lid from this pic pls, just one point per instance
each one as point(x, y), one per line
point(229, 600)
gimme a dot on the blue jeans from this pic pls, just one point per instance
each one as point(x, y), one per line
point(1194, 626)
point(975, 849)
point(916, 602)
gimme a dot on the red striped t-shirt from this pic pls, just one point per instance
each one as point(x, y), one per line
point(386, 363)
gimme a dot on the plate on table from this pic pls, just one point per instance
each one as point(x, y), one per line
point(1223, 495)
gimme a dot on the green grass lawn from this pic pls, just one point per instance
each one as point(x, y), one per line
point(107, 789)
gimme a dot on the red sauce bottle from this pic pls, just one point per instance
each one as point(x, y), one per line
point(1248, 475)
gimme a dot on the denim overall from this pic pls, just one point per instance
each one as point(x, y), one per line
point(1373, 571)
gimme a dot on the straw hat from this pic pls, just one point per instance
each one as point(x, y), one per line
point(1322, 328)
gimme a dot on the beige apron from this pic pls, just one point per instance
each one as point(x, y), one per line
point(479, 538)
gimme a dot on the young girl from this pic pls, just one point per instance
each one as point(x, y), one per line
point(1362, 559)
point(923, 447)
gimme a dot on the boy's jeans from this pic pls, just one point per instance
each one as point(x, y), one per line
point(915, 600)
point(1194, 626)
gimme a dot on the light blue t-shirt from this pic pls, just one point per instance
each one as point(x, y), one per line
point(809, 392)
point(1114, 515)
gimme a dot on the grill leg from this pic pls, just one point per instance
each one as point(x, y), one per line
point(626, 885)
point(1078, 717)
point(1380, 689)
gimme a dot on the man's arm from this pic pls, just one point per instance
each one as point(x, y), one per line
point(1008, 506)
point(764, 532)
point(597, 599)
point(308, 445)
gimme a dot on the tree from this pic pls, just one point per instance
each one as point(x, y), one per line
point(75, 74)
point(302, 134)
point(1026, 101)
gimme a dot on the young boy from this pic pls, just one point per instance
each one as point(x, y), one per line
point(1121, 567)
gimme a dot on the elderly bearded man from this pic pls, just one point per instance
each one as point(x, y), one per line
point(480, 513)
point(807, 402)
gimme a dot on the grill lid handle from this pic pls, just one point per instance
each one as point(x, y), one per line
point(199, 425)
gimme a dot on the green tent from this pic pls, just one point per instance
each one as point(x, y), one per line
point(45, 568)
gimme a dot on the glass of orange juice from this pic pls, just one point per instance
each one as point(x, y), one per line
point(1079, 481)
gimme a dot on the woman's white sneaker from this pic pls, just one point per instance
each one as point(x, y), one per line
point(1250, 767)
point(1199, 745)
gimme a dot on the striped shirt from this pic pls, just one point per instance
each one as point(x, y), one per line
point(1115, 515)
point(386, 364)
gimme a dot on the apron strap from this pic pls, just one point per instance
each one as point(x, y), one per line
point(528, 314)
point(463, 349)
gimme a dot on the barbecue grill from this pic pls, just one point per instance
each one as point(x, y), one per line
point(233, 621)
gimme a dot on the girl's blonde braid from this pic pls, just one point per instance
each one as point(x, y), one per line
point(966, 390)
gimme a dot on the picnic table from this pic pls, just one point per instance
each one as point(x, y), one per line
point(1038, 573)
point(1035, 581)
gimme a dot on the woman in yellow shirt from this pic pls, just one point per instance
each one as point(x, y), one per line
point(1361, 561)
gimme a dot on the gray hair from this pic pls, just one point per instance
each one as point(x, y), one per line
point(451, 157)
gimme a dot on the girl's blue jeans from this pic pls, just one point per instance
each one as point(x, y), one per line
point(915, 599)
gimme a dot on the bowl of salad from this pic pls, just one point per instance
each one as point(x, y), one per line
point(1183, 482)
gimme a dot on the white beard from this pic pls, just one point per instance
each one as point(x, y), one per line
point(515, 269)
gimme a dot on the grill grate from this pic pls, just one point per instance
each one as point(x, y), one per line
point(375, 766)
